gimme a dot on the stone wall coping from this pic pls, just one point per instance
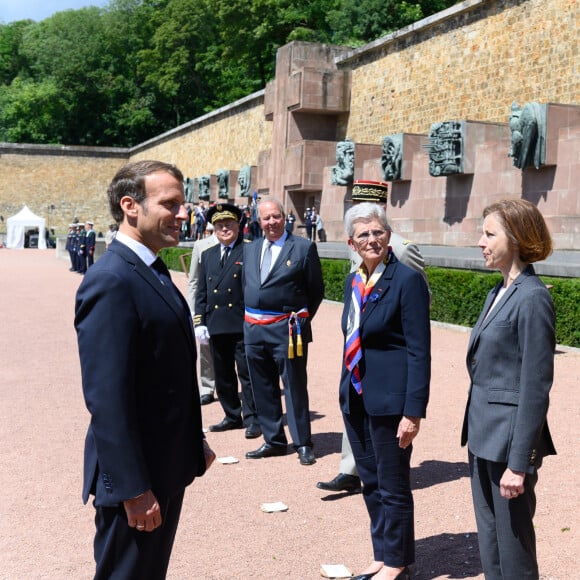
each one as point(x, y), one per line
point(212, 116)
point(63, 150)
point(377, 45)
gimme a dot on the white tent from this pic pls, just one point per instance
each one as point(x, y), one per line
point(17, 226)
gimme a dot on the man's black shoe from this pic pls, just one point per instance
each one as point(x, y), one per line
point(266, 450)
point(226, 425)
point(342, 482)
point(206, 399)
point(253, 431)
point(306, 456)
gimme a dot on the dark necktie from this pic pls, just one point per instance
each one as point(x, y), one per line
point(225, 255)
point(163, 274)
point(266, 262)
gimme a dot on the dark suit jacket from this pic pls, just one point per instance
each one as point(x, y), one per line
point(219, 301)
point(295, 281)
point(137, 355)
point(510, 360)
point(396, 341)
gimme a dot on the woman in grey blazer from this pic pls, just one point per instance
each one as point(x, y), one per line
point(510, 361)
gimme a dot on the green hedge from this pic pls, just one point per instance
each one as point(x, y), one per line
point(171, 257)
point(458, 295)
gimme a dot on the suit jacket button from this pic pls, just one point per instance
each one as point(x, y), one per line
point(235, 275)
point(229, 290)
point(215, 290)
point(216, 307)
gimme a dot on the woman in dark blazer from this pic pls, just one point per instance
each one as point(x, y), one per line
point(384, 385)
point(510, 361)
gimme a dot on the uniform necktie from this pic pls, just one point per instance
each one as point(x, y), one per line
point(225, 255)
point(266, 262)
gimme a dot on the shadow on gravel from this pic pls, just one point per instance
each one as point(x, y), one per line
point(433, 472)
point(327, 443)
point(447, 556)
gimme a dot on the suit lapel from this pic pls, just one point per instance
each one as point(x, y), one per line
point(151, 278)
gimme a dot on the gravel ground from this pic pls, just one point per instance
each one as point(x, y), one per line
point(46, 532)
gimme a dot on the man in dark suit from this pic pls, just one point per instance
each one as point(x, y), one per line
point(219, 318)
point(145, 443)
point(283, 289)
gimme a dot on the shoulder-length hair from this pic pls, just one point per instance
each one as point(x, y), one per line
point(525, 227)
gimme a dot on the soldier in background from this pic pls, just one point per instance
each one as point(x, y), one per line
point(90, 244)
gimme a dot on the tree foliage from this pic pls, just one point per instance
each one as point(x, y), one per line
point(122, 74)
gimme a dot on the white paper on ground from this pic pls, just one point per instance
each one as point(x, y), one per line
point(276, 506)
point(228, 459)
point(335, 571)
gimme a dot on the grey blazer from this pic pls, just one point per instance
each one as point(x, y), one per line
point(510, 360)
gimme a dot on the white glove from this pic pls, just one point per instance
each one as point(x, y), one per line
point(202, 334)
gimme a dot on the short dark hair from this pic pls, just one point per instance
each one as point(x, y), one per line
point(525, 227)
point(130, 180)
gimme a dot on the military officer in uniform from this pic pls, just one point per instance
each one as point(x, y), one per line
point(90, 244)
point(70, 242)
point(82, 260)
point(219, 318)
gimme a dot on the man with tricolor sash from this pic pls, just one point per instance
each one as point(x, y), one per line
point(283, 288)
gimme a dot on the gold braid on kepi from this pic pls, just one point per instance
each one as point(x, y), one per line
point(224, 211)
point(370, 191)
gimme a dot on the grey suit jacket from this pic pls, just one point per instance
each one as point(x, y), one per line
point(199, 247)
point(510, 360)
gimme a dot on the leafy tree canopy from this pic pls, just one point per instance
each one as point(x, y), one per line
point(119, 75)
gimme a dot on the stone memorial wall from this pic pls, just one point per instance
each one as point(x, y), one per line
point(439, 109)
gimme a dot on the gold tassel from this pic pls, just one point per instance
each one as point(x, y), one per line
point(290, 347)
point(299, 345)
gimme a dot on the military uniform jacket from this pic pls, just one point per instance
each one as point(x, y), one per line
point(219, 300)
point(90, 239)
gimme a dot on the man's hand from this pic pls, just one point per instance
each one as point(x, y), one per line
point(407, 431)
point(512, 483)
point(143, 512)
point(202, 334)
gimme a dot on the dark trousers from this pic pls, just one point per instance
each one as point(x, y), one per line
point(384, 469)
point(268, 362)
point(228, 354)
point(505, 530)
point(123, 553)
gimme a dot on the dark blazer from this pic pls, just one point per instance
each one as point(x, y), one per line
point(137, 355)
point(219, 300)
point(295, 281)
point(510, 360)
point(396, 341)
